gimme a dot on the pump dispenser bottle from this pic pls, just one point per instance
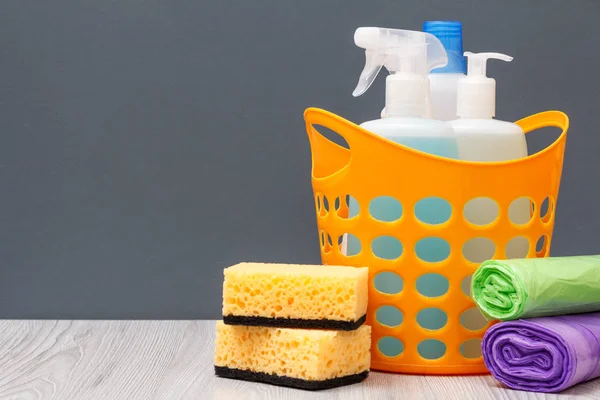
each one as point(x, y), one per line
point(482, 138)
point(444, 80)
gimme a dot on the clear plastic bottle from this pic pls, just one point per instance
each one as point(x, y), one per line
point(409, 56)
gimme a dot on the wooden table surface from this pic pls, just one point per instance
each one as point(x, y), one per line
point(172, 360)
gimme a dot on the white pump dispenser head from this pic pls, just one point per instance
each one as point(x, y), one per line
point(476, 97)
point(409, 56)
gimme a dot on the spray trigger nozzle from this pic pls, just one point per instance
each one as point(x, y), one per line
point(373, 63)
point(397, 50)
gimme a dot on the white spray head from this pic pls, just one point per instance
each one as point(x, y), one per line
point(408, 56)
point(476, 97)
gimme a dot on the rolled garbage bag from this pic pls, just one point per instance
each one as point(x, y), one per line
point(537, 287)
point(547, 354)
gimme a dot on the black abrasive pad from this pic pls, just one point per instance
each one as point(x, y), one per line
point(295, 322)
point(297, 383)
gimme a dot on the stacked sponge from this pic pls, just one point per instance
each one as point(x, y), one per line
point(294, 325)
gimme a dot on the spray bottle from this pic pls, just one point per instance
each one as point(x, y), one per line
point(409, 56)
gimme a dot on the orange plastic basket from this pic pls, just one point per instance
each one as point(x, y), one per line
point(373, 167)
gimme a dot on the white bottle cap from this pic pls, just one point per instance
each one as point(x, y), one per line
point(476, 97)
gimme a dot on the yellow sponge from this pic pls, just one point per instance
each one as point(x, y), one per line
point(303, 358)
point(296, 296)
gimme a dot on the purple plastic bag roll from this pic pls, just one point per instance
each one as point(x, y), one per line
point(548, 354)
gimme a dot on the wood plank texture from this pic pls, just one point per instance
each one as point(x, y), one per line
point(172, 360)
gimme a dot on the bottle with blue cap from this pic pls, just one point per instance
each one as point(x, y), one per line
point(444, 80)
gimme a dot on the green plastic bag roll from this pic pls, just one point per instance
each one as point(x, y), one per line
point(537, 287)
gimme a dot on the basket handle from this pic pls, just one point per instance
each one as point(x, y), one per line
point(327, 156)
point(546, 119)
point(317, 116)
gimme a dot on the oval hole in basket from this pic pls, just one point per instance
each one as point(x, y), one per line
point(389, 346)
point(541, 247)
point(326, 242)
point(547, 209)
point(388, 282)
point(331, 135)
point(431, 349)
point(389, 316)
point(322, 205)
point(432, 318)
point(349, 244)
point(432, 249)
point(481, 211)
point(541, 138)
point(432, 285)
point(472, 319)
point(479, 249)
point(433, 210)
point(465, 285)
point(327, 143)
point(520, 210)
point(386, 247)
point(346, 207)
point(385, 209)
point(517, 247)
point(471, 348)
point(325, 204)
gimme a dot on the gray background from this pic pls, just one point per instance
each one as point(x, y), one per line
point(146, 145)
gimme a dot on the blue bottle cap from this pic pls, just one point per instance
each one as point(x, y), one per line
point(450, 34)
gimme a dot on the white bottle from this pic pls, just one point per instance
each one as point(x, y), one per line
point(444, 81)
point(482, 138)
point(443, 95)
